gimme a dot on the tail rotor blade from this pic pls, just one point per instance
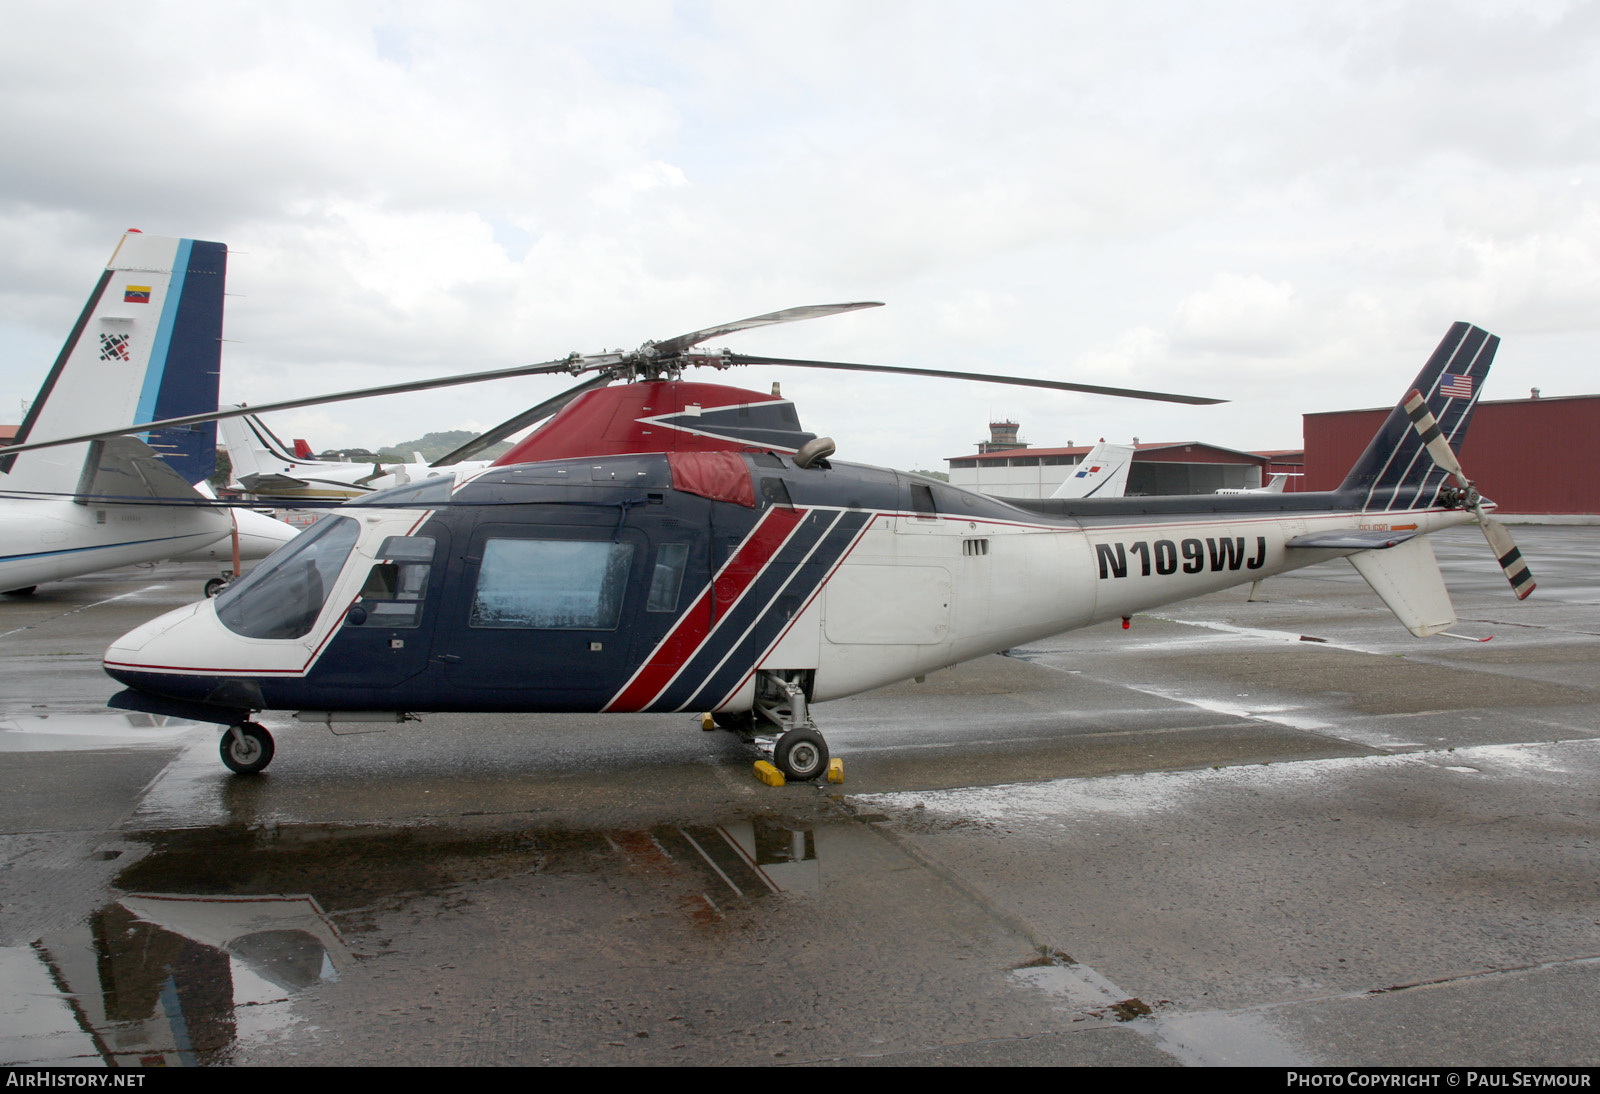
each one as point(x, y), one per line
point(1427, 427)
point(1504, 547)
point(1508, 555)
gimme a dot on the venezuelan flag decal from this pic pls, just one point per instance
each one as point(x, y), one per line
point(136, 294)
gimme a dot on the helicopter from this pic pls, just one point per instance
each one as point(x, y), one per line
point(666, 546)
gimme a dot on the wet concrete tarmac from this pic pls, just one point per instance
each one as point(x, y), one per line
point(1271, 832)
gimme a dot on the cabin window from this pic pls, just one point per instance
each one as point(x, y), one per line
point(670, 559)
point(551, 584)
point(395, 587)
point(282, 597)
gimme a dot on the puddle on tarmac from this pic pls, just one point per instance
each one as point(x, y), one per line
point(67, 732)
point(219, 929)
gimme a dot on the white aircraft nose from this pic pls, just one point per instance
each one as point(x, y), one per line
point(135, 640)
point(260, 535)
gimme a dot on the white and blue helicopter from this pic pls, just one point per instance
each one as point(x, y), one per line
point(663, 545)
point(147, 345)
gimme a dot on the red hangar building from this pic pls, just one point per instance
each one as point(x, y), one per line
point(1532, 457)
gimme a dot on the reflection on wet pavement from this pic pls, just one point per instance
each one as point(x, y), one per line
point(59, 732)
point(161, 980)
point(203, 953)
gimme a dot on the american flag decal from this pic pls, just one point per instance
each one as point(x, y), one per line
point(114, 347)
point(1453, 385)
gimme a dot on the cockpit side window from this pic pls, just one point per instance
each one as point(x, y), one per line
point(397, 584)
point(282, 597)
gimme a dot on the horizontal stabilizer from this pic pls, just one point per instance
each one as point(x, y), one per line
point(268, 484)
point(1361, 539)
point(122, 469)
point(1407, 578)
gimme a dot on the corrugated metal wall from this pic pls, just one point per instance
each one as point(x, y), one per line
point(1526, 455)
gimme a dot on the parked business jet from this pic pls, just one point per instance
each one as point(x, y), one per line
point(1274, 485)
point(1103, 473)
point(266, 468)
point(147, 345)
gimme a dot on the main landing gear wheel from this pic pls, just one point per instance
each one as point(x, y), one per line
point(215, 586)
point(247, 748)
point(742, 724)
point(801, 754)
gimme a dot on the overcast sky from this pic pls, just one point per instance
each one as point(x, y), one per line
point(1280, 204)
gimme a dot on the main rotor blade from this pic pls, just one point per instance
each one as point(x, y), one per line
point(521, 421)
point(1019, 381)
point(673, 346)
point(573, 364)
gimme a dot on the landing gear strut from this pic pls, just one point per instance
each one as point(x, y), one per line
point(246, 748)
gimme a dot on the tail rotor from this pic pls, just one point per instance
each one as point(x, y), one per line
point(1467, 497)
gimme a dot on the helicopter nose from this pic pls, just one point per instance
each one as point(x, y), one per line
point(135, 641)
point(173, 653)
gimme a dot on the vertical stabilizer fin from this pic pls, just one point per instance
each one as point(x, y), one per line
point(148, 344)
point(1396, 471)
point(1103, 473)
point(1407, 578)
point(254, 450)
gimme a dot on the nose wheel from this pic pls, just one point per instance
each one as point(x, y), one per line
point(246, 748)
point(801, 754)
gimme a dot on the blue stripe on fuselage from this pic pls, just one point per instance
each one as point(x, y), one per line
point(744, 634)
point(99, 547)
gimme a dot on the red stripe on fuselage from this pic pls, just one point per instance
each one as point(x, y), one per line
point(696, 624)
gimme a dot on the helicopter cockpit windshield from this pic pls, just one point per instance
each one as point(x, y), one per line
point(283, 596)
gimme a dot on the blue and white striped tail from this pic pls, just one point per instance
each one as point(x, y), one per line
point(1396, 472)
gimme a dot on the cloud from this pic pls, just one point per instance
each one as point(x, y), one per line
point(1241, 314)
point(1279, 204)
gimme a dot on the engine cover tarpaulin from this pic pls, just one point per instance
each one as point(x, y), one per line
point(720, 476)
